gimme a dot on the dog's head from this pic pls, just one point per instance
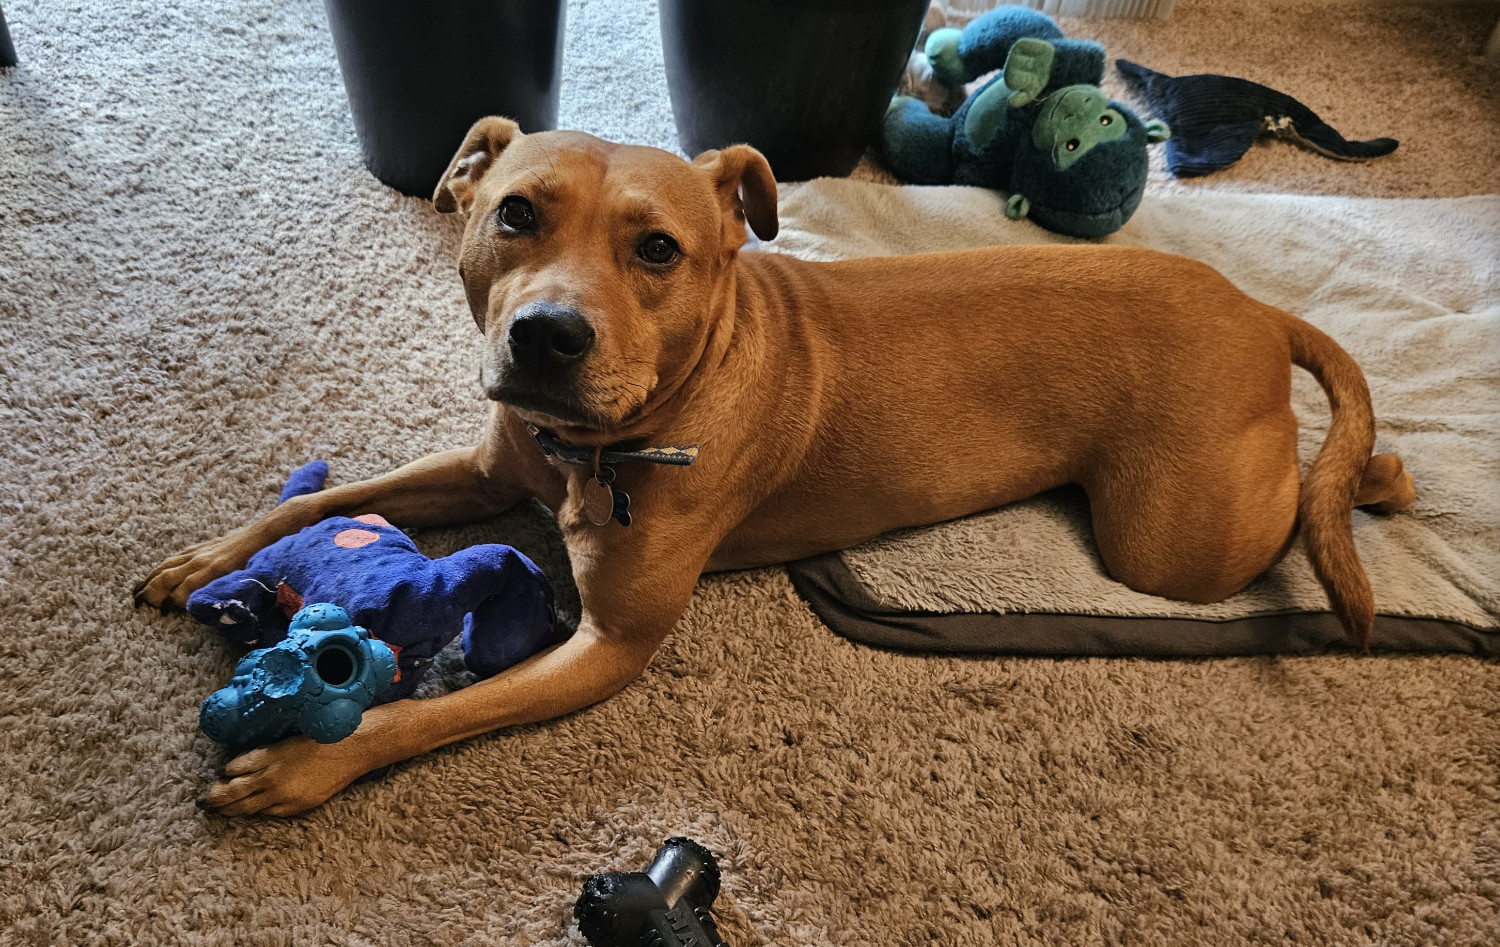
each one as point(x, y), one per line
point(596, 271)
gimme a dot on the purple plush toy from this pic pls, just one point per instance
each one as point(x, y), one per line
point(493, 594)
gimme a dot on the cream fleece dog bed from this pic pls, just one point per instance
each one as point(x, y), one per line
point(1411, 288)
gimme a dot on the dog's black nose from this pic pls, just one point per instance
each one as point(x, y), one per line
point(547, 336)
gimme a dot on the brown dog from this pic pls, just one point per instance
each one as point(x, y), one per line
point(619, 312)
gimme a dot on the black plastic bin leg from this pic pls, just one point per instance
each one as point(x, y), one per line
point(804, 81)
point(419, 74)
point(7, 48)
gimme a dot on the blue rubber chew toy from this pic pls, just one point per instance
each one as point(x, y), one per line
point(318, 681)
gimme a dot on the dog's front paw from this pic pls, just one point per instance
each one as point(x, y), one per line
point(170, 583)
point(284, 778)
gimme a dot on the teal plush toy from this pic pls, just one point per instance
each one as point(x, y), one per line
point(1073, 161)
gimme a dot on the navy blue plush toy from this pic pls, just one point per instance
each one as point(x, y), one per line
point(1073, 161)
point(1217, 118)
point(494, 595)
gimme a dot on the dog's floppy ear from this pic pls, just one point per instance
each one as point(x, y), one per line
point(747, 190)
point(486, 139)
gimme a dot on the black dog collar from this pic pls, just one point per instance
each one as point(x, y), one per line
point(676, 456)
point(602, 500)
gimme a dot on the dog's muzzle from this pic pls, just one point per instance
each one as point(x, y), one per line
point(544, 346)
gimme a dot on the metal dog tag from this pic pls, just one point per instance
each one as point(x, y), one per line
point(598, 501)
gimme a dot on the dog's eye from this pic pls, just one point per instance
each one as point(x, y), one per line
point(1072, 144)
point(1105, 120)
point(659, 249)
point(516, 213)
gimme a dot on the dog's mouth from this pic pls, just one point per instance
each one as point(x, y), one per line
point(551, 406)
point(531, 399)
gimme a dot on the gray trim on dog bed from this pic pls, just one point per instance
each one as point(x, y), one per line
point(847, 606)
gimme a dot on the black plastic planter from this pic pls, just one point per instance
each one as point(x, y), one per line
point(419, 74)
point(7, 49)
point(804, 81)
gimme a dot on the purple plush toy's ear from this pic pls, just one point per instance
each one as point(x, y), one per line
point(509, 605)
point(308, 478)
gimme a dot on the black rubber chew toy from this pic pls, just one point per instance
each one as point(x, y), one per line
point(664, 906)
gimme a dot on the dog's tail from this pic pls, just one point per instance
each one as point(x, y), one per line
point(1327, 501)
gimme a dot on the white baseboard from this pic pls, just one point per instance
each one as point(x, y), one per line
point(1160, 9)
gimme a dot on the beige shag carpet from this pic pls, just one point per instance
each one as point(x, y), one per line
point(200, 288)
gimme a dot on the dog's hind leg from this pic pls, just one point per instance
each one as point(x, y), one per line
point(1199, 526)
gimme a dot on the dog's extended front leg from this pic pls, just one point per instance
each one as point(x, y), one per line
point(297, 774)
point(627, 613)
point(450, 487)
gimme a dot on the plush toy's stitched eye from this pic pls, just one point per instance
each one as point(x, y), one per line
point(1072, 144)
point(1105, 120)
point(516, 213)
point(658, 249)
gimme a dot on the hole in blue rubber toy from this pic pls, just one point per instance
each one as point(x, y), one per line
point(335, 666)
